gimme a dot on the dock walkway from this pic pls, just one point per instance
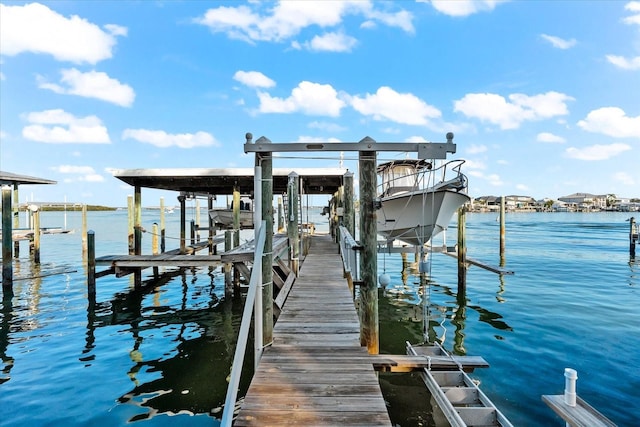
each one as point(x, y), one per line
point(316, 373)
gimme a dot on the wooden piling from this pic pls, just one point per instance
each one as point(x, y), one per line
point(154, 239)
point(502, 230)
point(7, 239)
point(369, 331)
point(137, 232)
point(212, 231)
point(462, 251)
point(633, 237)
point(130, 224)
point(183, 214)
point(236, 216)
point(349, 216)
point(292, 223)
point(36, 234)
point(192, 227)
point(84, 231)
point(228, 285)
point(91, 263)
point(197, 220)
point(280, 221)
point(162, 227)
point(16, 219)
point(265, 161)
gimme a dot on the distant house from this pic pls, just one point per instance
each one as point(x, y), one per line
point(588, 201)
point(512, 203)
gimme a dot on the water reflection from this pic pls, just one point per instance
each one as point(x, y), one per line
point(432, 309)
point(5, 329)
point(180, 353)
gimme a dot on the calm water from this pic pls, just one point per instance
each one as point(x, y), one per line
point(161, 356)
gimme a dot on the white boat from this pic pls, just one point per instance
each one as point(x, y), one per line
point(223, 217)
point(418, 201)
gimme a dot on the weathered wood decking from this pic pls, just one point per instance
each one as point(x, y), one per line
point(316, 373)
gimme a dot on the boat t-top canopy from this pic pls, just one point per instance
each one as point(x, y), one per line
point(223, 180)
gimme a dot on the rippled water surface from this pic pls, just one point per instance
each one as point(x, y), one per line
point(161, 355)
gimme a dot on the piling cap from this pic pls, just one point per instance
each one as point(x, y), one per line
point(570, 373)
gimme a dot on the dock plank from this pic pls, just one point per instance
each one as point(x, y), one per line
point(316, 373)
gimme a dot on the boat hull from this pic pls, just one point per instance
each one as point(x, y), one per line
point(223, 218)
point(415, 217)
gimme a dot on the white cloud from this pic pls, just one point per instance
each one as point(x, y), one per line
point(117, 30)
point(476, 149)
point(332, 42)
point(162, 139)
point(36, 28)
point(558, 42)
point(253, 79)
point(309, 98)
point(549, 137)
point(596, 152)
point(326, 126)
point(305, 138)
point(387, 104)
point(625, 63)
point(416, 138)
point(92, 84)
point(624, 178)
point(85, 173)
point(611, 121)
point(59, 127)
point(509, 114)
point(522, 187)
point(463, 7)
point(260, 22)
point(634, 7)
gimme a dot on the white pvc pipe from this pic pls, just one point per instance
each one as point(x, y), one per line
point(570, 376)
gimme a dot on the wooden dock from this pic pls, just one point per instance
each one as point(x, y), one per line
point(316, 373)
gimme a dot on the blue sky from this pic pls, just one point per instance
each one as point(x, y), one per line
point(543, 96)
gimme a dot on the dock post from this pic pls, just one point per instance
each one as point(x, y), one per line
point(183, 214)
point(462, 251)
point(162, 228)
point(292, 223)
point(368, 237)
point(154, 239)
point(236, 216)
point(212, 231)
point(349, 217)
point(36, 233)
point(91, 264)
point(16, 219)
point(137, 232)
point(193, 232)
point(7, 238)
point(228, 287)
point(130, 224)
point(265, 161)
point(257, 302)
point(633, 237)
point(84, 231)
point(280, 221)
point(197, 229)
point(502, 230)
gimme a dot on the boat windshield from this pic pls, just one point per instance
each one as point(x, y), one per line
point(399, 178)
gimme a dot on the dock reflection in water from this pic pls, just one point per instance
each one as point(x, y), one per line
point(188, 374)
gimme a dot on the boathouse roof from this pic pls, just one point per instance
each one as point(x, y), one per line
point(222, 180)
point(8, 178)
